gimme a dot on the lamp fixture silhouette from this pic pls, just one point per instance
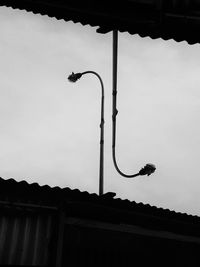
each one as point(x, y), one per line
point(148, 168)
point(73, 78)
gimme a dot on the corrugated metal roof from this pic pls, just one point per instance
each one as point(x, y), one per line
point(27, 234)
point(171, 19)
point(82, 203)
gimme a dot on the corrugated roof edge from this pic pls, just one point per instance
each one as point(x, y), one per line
point(80, 17)
point(8, 185)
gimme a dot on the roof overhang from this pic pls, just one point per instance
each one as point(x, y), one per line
point(171, 19)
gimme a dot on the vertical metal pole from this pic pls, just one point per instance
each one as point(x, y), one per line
point(147, 169)
point(114, 93)
point(101, 166)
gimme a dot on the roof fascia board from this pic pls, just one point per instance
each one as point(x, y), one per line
point(133, 229)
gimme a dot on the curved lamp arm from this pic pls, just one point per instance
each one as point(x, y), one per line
point(149, 168)
point(73, 78)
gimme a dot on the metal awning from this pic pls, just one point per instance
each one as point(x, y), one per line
point(166, 19)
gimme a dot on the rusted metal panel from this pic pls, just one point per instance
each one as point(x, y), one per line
point(25, 238)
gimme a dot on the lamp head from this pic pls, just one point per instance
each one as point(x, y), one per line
point(74, 77)
point(148, 169)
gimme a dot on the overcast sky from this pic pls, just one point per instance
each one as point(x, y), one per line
point(49, 128)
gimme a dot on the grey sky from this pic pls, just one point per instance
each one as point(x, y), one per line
point(49, 128)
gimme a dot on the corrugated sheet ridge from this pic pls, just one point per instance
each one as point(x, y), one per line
point(78, 195)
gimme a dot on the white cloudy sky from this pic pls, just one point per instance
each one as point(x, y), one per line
point(49, 128)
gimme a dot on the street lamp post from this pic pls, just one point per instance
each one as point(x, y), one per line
point(148, 168)
point(73, 78)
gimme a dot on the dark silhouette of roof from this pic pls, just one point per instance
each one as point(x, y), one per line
point(91, 206)
point(171, 19)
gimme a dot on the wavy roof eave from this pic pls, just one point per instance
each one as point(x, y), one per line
point(22, 195)
point(13, 190)
point(178, 20)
